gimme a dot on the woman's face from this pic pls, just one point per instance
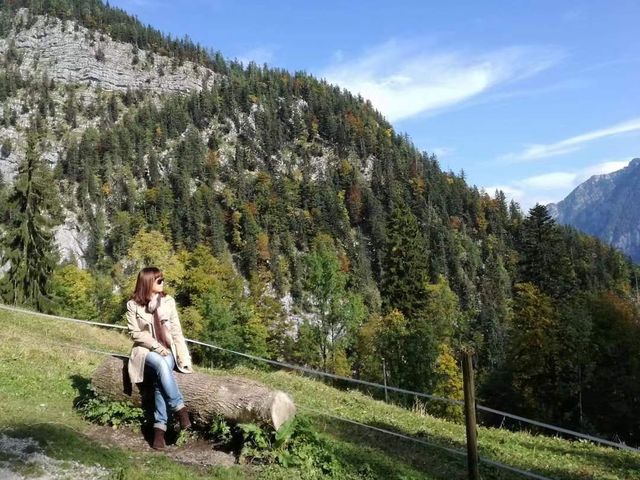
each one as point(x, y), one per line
point(158, 285)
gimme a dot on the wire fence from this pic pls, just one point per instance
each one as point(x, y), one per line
point(298, 405)
point(454, 451)
point(320, 373)
point(421, 395)
point(350, 421)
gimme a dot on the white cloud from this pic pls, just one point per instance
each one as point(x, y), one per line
point(550, 181)
point(259, 55)
point(538, 151)
point(554, 186)
point(441, 152)
point(604, 167)
point(510, 191)
point(403, 80)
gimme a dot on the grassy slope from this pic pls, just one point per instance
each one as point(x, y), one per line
point(39, 378)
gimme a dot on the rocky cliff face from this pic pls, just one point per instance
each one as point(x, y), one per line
point(608, 207)
point(47, 49)
point(67, 52)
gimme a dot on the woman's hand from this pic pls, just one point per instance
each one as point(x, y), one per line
point(161, 350)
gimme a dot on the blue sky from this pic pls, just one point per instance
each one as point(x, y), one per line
point(532, 97)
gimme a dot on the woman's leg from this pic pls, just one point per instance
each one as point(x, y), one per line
point(166, 391)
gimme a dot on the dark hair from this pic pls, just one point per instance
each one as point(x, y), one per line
point(144, 285)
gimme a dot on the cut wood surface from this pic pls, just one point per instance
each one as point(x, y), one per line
point(206, 396)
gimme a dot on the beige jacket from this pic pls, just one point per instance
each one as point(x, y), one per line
point(140, 324)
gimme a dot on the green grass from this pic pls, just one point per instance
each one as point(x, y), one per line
point(41, 376)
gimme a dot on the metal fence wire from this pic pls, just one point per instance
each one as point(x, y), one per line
point(319, 373)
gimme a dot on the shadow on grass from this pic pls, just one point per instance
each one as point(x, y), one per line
point(437, 463)
point(82, 385)
point(623, 463)
point(64, 443)
point(432, 462)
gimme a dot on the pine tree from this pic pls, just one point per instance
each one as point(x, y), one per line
point(495, 306)
point(532, 350)
point(544, 260)
point(612, 394)
point(405, 270)
point(28, 243)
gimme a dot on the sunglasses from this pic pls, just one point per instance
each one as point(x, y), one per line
point(160, 281)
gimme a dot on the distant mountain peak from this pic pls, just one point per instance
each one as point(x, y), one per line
point(600, 207)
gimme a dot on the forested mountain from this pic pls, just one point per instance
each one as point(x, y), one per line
point(292, 222)
point(603, 206)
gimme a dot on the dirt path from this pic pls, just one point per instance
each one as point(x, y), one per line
point(195, 453)
point(22, 458)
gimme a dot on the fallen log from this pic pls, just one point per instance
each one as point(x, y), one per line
point(206, 396)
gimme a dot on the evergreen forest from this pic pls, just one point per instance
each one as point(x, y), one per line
point(293, 222)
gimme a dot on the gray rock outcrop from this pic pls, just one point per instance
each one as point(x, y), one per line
point(606, 206)
point(70, 53)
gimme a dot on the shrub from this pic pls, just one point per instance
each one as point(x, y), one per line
point(295, 444)
point(105, 412)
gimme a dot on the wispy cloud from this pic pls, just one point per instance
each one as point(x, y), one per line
point(442, 152)
point(602, 168)
point(572, 144)
point(259, 55)
point(554, 186)
point(403, 80)
point(141, 3)
point(609, 64)
point(550, 181)
point(510, 191)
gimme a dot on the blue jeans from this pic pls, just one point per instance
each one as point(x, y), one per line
point(166, 391)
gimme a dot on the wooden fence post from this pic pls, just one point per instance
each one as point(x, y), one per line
point(470, 415)
point(384, 376)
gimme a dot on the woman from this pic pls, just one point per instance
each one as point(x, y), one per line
point(158, 343)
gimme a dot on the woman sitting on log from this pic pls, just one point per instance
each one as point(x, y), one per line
point(158, 343)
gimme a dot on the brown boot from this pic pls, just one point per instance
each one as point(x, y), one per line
point(158, 439)
point(183, 417)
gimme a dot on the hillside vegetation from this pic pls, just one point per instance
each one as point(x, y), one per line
point(292, 222)
point(43, 368)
